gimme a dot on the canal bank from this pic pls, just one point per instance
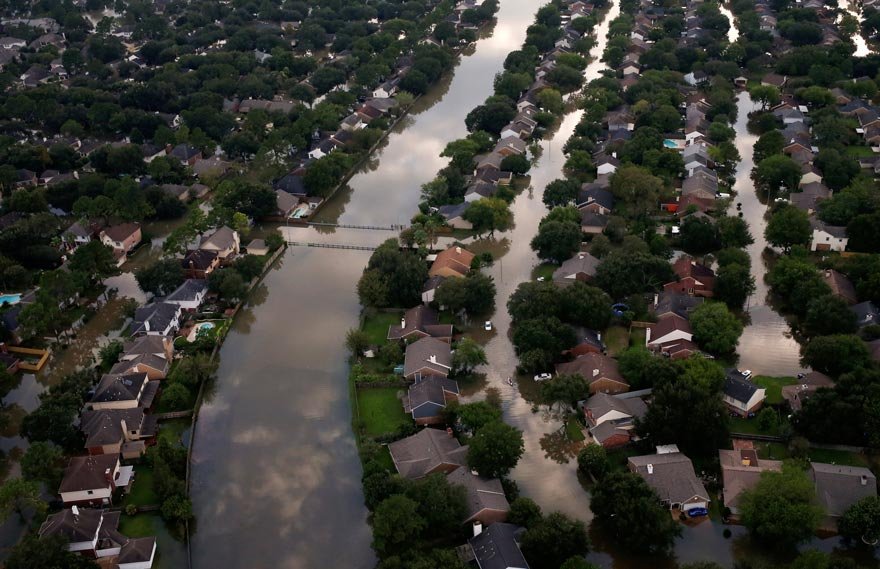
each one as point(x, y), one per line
point(276, 477)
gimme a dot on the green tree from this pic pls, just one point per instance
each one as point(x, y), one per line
point(228, 284)
point(556, 241)
point(161, 278)
point(630, 510)
point(593, 461)
point(733, 232)
point(642, 369)
point(767, 95)
point(770, 143)
point(495, 449)
point(42, 462)
point(20, 496)
point(357, 341)
point(35, 552)
point(489, 214)
point(95, 260)
point(396, 521)
point(467, 355)
point(193, 370)
point(637, 190)
point(781, 508)
point(177, 508)
point(777, 172)
point(524, 512)
point(621, 274)
point(565, 389)
point(827, 315)
point(577, 562)
point(176, 397)
point(560, 193)
point(836, 354)
point(474, 416)
point(861, 521)
point(734, 284)
point(552, 540)
point(715, 328)
point(441, 504)
point(515, 163)
point(586, 305)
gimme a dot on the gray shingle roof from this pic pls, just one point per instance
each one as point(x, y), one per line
point(188, 291)
point(119, 387)
point(482, 493)
point(670, 475)
point(739, 388)
point(839, 487)
point(88, 472)
point(83, 527)
point(417, 455)
point(428, 353)
point(496, 548)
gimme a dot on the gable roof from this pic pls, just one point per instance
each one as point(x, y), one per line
point(741, 470)
point(839, 487)
point(420, 319)
point(676, 303)
point(667, 324)
point(104, 427)
point(119, 387)
point(455, 258)
point(199, 259)
point(88, 472)
point(122, 231)
point(593, 367)
point(482, 493)
point(601, 404)
point(738, 388)
point(417, 455)
point(75, 528)
point(431, 389)
point(579, 263)
point(155, 316)
point(671, 475)
point(428, 353)
point(189, 291)
point(496, 548)
point(222, 238)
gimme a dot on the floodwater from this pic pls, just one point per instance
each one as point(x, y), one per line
point(766, 346)
point(862, 48)
point(276, 478)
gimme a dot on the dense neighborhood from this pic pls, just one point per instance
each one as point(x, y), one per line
point(686, 340)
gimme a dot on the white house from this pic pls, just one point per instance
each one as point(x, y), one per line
point(190, 295)
point(91, 480)
point(741, 395)
point(669, 327)
point(95, 534)
point(827, 237)
point(224, 241)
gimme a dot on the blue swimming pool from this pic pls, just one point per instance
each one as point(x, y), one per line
point(9, 299)
point(670, 143)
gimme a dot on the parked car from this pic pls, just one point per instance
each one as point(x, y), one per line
point(697, 512)
point(543, 377)
point(747, 374)
point(487, 326)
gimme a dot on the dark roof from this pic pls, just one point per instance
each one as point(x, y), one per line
point(866, 313)
point(74, 528)
point(121, 232)
point(199, 259)
point(88, 472)
point(291, 183)
point(184, 151)
point(592, 367)
point(188, 291)
point(738, 388)
point(838, 231)
point(453, 211)
point(594, 193)
point(603, 403)
point(432, 389)
point(497, 548)
point(432, 283)
point(420, 319)
point(417, 455)
point(482, 493)
point(104, 427)
point(156, 316)
point(430, 353)
point(137, 550)
point(839, 487)
point(681, 304)
point(671, 475)
point(119, 387)
point(590, 219)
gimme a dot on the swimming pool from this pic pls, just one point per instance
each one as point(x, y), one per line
point(669, 143)
point(198, 328)
point(9, 299)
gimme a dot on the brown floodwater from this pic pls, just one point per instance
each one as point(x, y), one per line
point(276, 478)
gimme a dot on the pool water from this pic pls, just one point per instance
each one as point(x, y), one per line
point(10, 299)
point(669, 143)
point(206, 325)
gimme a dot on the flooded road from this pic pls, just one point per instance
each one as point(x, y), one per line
point(853, 9)
point(766, 346)
point(276, 478)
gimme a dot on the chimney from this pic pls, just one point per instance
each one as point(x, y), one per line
point(827, 273)
point(650, 469)
point(458, 250)
point(432, 359)
point(864, 480)
point(75, 511)
point(595, 372)
point(656, 299)
point(168, 149)
point(449, 431)
point(108, 476)
point(478, 528)
point(599, 336)
point(403, 322)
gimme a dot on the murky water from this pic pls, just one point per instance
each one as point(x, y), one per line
point(766, 346)
point(276, 478)
point(854, 10)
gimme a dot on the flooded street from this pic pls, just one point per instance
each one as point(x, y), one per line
point(766, 346)
point(276, 477)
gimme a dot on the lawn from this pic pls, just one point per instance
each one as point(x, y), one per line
point(774, 385)
point(837, 457)
point(143, 492)
point(384, 458)
point(573, 431)
point(380, 410)
point(140, 525)
point(749, 426)
point(172, 431)
point(638, 336)
point(860, 151)
point(772, 451)
point(617, 340)
point(545, 270)
point(376, 326)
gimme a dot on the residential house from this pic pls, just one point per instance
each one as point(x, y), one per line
point(257, 247)
point(827, 237)
point(190, 295)
point(582, 267)
point(420, 322)
point(186, 154)
point(838, 487)
point(497, 547)
point(453, 214)
point(600, 371)
point(484, 497)
point(589, 342)
point(428, 451)
point(607, 164)
point(673, 302)
point(672, 476)
point(840, 285)
point(693, 278)
point(125, 391)
point(122, 238)
point(610, 418)
point(453, 262)
point(91, 480)
point(427, 356)
point(94, 533)
point(510, 146)
point(809, 197)
point(774, 80)
point(156, 319)
point(428, 397)
point(430, 288)
point(593, 223)
point(76, 235)
point(198, 263)
point(808, 384)
point(150, 354)
point(223, 241)
point(118, 431)
point(740, 471)
point(595, 198)
point(672, 336)
point(741, 395)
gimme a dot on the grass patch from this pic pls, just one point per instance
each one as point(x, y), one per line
point(376, 326)
point(384, 458)
point(774, 386)
point(860, 151)
point(172, 431)
point(573, 431)
point(837, 457)
point(772, 451)
point(143, 492)
point(619, 457)
point(617, 340)
point(140, 525)
point(380, 410)
point(749, 426)
point(545, 270)
point(638, 336)
point(446, 317)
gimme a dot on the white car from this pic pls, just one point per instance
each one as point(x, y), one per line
point(487, 326)
point(542, 279)
point(746, 373)
point(543, 377)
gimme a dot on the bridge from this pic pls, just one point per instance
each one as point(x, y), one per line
point(332, 246)
point(392, 227)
